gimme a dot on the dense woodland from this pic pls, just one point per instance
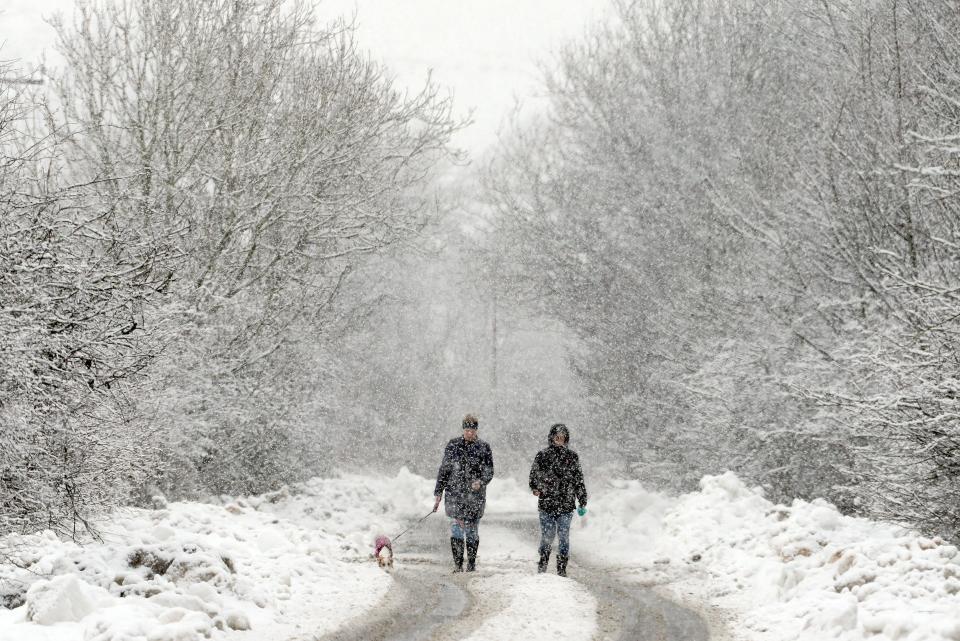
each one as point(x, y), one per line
point(232, 256)
point(182, 205)
point(749, 212)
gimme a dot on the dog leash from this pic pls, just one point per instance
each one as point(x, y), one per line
point(412, 526)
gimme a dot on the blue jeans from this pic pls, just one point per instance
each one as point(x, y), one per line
point(555, 525)
point(470, 530)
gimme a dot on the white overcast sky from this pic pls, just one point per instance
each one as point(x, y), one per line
point(485, 51)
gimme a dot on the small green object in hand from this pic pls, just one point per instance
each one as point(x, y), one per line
point(581, 511)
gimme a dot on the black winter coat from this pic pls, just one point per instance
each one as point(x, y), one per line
point(556, 474)
point(463, 463)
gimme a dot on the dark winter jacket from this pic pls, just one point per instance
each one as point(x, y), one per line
point(557, 476)
point(463, 463)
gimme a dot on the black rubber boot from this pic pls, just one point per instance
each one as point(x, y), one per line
point(543, 562)
point(472, 555)
point(456, 546)
point(562, 564)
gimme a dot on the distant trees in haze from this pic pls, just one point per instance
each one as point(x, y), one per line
point(423, 352)
point(748, 213)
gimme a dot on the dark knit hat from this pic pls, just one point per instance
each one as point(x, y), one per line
point(470, 422)
point(558, 428)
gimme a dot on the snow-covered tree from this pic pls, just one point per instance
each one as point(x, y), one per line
point(74, 294)
point(747, 212)
point(267, 155)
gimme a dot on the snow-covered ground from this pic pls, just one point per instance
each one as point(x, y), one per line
point(297, 563)
point(802, 571)
point(278, 565)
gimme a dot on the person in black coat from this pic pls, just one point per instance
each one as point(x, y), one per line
point(557, 480)
point(465, 471)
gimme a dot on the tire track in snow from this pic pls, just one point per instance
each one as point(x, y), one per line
point(624, 612)
point(426, 602)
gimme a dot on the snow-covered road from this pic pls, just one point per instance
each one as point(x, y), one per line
point(504, 599)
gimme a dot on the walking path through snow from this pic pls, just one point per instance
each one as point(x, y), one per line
point(505, 599)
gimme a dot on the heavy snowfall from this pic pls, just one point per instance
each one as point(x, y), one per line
point(319, 320)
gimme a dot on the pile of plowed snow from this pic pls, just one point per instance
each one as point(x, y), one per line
point(802, 571)
point(279, 564)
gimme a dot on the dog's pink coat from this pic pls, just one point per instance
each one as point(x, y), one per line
point(380, 543)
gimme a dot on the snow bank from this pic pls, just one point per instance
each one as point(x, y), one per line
point(509, 496)
point(61, 599)
point(802, 571)
point(356, 508)
point(269, 564)
point(622, 521)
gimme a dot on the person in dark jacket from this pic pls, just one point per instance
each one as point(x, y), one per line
point(465, 471)
point(557, 480)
